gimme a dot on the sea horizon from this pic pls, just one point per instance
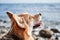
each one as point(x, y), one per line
point(50, 12)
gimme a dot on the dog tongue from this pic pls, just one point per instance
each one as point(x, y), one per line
point(38, 24)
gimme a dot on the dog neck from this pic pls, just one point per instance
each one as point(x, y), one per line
point(30, 28)
point(20, 33)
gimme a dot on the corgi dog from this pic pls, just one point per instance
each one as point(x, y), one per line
point(22, 26)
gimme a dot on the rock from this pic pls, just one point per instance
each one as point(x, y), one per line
point(1, 20)
point(6, 38)
point(46, 33)
point(9, 37)
point(56, 38)
point(4, 31)
point(40, 38)
point(2, 26)
point(55, 30)
point(4, 21)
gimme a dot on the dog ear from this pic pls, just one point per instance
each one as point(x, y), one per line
point(9, 14)
point(19, 20)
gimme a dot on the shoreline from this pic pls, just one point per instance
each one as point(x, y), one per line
point(4, 29)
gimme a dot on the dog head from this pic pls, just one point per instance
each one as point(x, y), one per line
point(23, 23)
point(37, 20)
point(30, 19)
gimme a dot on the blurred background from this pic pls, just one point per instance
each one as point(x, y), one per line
point(50, 10)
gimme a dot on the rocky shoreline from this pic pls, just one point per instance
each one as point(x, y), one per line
point(43, 34)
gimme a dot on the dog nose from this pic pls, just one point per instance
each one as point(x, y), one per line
point(40, 14)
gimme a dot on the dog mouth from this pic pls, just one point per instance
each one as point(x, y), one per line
point(37, 24)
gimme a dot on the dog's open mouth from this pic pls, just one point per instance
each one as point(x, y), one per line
point(37, 24)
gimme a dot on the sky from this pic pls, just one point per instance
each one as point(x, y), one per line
point(29, 1)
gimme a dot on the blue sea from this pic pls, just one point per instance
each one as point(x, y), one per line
point(50, 12)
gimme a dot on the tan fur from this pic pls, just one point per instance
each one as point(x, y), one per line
point(22, 25)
